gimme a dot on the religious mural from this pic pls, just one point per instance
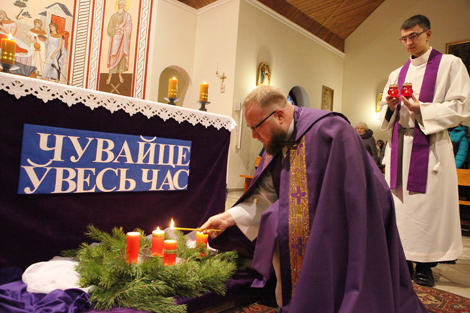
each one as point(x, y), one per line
point(58, 41)
point(264, 74)
point(118, 46)
point(327, 98)
point(43, 34)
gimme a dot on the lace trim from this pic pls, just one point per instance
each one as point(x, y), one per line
point(20, 86)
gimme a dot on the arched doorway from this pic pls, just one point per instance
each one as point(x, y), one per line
point(298, 96)
point(183, 82)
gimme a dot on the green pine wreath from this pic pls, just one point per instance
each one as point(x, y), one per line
point(148, 285)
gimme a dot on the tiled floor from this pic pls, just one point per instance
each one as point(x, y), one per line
point(452, 278)
point(455, 278)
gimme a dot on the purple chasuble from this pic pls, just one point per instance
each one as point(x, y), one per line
point(352, 260)
point(418, 173)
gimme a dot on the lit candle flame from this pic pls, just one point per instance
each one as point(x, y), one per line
point(9, 37)
point(172, 224)
point(158, 228)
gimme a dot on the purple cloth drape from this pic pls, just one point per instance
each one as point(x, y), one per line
point(15, 299)
point(39, 227)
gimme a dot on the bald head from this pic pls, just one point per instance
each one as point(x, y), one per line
point(269, 115)
point(266, 97)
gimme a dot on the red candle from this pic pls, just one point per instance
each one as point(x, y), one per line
point(8, 50)
point(169, 252)
point(393, 91)
point(201, 240)
point(132, 246)
point(158, 236)
point(407, 90)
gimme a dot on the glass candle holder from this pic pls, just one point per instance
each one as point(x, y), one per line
point(393, 91)
point(169, 252)
point(407, 90)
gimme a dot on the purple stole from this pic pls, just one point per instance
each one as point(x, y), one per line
point(418, 174)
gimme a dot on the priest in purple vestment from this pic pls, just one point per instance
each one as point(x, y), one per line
point(321, 213)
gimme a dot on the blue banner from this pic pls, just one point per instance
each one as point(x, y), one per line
point(60, 160)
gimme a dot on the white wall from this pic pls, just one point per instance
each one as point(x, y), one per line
point(295, 58)
point(234, 36)
point(198, 42)
point(172, 43)
point(373, 50)
point(216, 40)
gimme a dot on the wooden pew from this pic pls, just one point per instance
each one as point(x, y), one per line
point(248, 178)
point(463, 177)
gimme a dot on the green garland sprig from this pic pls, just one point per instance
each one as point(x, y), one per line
point(148, 285)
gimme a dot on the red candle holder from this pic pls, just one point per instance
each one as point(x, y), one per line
point(407, 90)
point(132, 246)
point(169, 252)
point(393, 91)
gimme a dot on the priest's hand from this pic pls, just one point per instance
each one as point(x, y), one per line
point(391, 103)
point(220, 222)
point(412, 104)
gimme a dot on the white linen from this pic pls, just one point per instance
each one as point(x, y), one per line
point(20, 86)
point(57, 273)
point(247, 214)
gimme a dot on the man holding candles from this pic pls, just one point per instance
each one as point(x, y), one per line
point(321, 213)
point(420, 167)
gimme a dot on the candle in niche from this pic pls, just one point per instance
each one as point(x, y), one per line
point(201, 240)
point(204, 92)
point(158, 236)
point(169, 252)
point(172, 87)
point(132, 246)
point(8, 50)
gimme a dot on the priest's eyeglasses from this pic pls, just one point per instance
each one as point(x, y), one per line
point(412, 36)
point(259, 124)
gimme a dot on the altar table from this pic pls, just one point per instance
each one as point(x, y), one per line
point(36, 227)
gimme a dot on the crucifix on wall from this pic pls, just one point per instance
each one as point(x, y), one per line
point(222, 78)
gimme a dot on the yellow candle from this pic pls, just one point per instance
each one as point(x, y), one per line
point(158, 236)
point(169, 252)
point(8, 50)
point(132, 246)
point(172, 87)
point(204, 92)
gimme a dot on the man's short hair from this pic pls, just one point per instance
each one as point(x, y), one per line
point(266, 96)
point(420, 20)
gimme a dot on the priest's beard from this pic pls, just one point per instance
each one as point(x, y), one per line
point(277, 142)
